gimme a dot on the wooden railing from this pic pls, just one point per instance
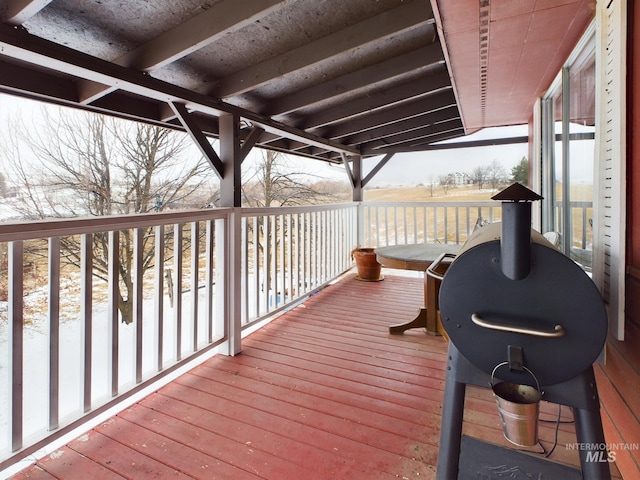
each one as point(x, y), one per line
point(96, 310)
point(424, 222)
point(290, 252)
point(93, 311)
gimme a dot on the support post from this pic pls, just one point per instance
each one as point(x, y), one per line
point(355, 174)
point(230, 196)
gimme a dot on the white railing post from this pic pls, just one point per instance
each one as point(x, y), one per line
point(16, 331)
point(360, 226)
point(233, 282)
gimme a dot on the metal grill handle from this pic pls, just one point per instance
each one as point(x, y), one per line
point(558, 330)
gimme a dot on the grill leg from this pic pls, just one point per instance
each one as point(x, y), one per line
point(460, 373)
point(451, 428)
point(594, 462)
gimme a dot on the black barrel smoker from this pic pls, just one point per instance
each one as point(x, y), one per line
point(511, 299)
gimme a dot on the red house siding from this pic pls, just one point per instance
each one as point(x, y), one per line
point(619, 379)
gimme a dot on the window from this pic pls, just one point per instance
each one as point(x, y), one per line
point(568, 155)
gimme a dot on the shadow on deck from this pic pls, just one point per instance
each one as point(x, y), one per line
point(322, 392)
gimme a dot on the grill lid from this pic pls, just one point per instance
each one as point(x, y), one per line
point(556, 291)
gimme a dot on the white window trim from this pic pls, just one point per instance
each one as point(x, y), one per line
point(610, 199)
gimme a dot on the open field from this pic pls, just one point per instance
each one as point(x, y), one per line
point(427, 194)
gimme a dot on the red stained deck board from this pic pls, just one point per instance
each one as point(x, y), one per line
point(394, 359)
point(376, 337)
point(413, 345)
point(179, 456)
point(331, 423)
point(35, 473)
point(342, 394)
point(428, 388)
point(352, 413)
point(250, 462)
point(353, 361)
point(122, 459)
point(67, 463)
point(326, 382)
point(260, 434)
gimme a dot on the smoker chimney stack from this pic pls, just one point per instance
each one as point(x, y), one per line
point(515, 240)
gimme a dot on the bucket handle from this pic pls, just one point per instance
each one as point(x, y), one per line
point(525, 368)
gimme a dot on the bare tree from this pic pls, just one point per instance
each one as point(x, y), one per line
point(78, 164)
point(479, 176)
point(496, 174)
point(3, 185)
point(273, 184)
point(446, 182)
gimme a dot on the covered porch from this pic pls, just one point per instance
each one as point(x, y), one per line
point(351, 89)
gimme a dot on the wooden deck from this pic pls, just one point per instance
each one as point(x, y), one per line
point(322, 392)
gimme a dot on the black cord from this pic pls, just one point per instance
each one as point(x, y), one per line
point(555, 442)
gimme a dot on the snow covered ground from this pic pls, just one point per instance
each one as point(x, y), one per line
point(36, 357)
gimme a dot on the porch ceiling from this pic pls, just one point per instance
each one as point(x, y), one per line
point(504, 54)
point(317, 78)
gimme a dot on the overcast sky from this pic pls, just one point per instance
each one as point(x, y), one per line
point(403, 169)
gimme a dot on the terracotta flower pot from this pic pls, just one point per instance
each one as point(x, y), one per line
point(367, 264)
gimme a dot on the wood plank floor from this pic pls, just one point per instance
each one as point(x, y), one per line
point(322, 392)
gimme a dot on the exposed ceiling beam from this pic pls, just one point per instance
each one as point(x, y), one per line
point(422, 86)
point(189, 36)
point(17, 79)
point(133, 107)
point(413, 123)
point(416, 134)
point(427, 114)
point(18, 44)
point(387, 24)
point(197, 32)
point(417, 60)
point(17, 12)
point(396, 113)
point(90, 91)
point(491, 142)
point(417, 145)
point(479, 143)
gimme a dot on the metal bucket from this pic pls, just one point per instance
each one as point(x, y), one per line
point(518, 406)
